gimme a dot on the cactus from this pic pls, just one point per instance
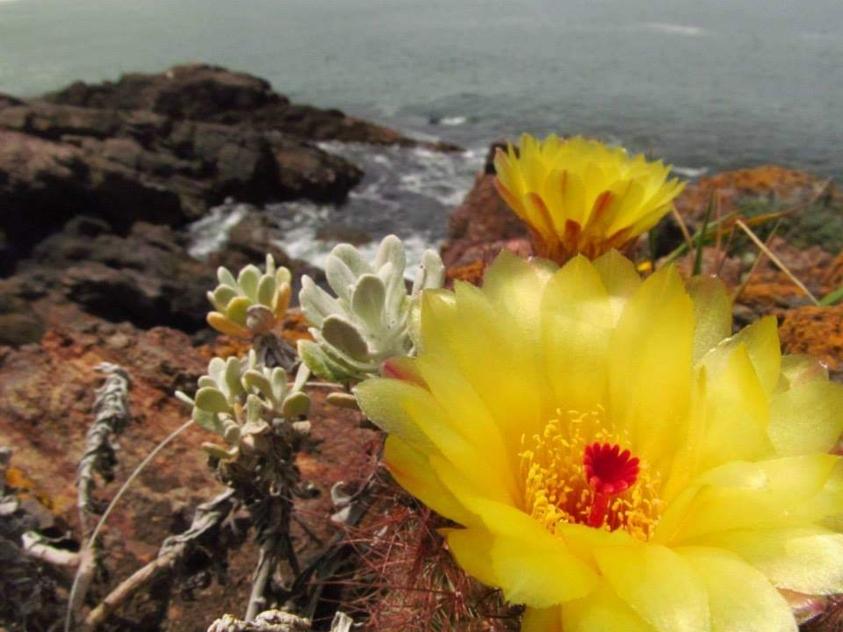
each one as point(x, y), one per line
point(253, 303)
point(371, 315)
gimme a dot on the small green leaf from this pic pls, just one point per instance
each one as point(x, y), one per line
point(316, 361)
point(295, 405)
point(266, 290)
point(833, 297)
point(225, 277)
point(212, 400)
point(344, 336)
point(256, 381)
point(367, 301)
point(237, 310)
point(222, 296)
point(248, 281)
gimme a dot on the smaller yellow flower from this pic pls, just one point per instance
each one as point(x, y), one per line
point(580, 196)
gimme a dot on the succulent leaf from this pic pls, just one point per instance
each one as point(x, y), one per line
point(225, 277)
point(295, 405)
point(212, 400)
point(344, 336)
point(367, 301)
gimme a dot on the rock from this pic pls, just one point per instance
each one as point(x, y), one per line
point(814, 206)
point(46, 394)
point(19, 324)
point(483, 217)
point(125, 166)
point(39, 188)
point(815, 331)
point(210, 93)
point(145, 278)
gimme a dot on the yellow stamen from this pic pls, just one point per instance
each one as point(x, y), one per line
point(555, 487)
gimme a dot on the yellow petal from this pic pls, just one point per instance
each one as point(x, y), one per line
point(514, 288)
point(412, 470)
point(762, 342)
point(650, 363)
point(469, 416)
point(576, 325)
point(382, 400)
point(781, 492)
point(740, 598)
point(474, 336)
point(735, 408)
point(712, 313)
point(602, 611)
point(807, 418)
point(537, 572)
point(658, 585)
point(411, 413)
point(618, 274)
point(805, 559)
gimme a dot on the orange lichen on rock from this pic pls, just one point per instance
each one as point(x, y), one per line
point(815, 331)
point(734, 187)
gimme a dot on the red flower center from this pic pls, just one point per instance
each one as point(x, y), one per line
point(609, 472)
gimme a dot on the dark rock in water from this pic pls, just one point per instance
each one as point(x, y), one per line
point(57, 161)
point(7, 100)
point(210, 93)
point(145, 278)
point(194, 91)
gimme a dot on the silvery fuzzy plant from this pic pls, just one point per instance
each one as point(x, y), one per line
point(370, 317)
point(252, 305)
point(260, 416)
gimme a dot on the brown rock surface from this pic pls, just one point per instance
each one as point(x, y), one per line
point(46, 394)
point(815, 331)
point(126, 166)
point(210, 93)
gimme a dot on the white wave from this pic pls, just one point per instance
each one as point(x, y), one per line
point(300, 222)
point(209, 234)
point(674, 29)
point(689, 172)
point(453, 121)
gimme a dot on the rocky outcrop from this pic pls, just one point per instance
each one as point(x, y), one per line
point(209, 93)
point(482, 225)
point(145, 277)
point(46, 394)
point(57, 161)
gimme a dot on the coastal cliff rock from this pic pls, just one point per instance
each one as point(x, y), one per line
point(57, 161)
point(209, 93)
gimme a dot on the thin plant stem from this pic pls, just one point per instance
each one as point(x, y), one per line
point(74, 596)
point(778, 262)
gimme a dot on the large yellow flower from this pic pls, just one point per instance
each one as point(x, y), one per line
point(615, 458)
point(580, 196)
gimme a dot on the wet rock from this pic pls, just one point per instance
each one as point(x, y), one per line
point(145, 278)
point(126, 166)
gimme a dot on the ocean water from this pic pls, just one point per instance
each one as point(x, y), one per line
point(705, 84)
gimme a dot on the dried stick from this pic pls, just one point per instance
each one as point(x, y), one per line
point(208, 516)
point(778, 262)
point(111, 408)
